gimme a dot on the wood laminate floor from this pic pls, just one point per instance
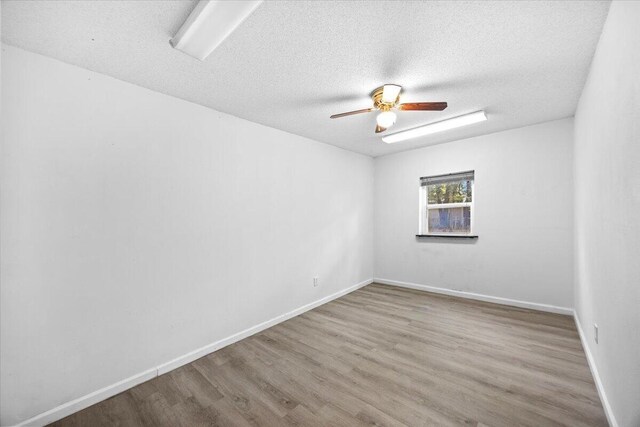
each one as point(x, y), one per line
point(378, 356)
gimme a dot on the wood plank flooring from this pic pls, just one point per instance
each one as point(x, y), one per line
point(378, 356)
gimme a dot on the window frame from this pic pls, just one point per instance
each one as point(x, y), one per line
point(424, 207)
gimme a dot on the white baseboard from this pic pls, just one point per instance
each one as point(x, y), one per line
point(523, 304)
point(479, 297)
point(83, 402)
point(196, 354)
point(80, 403)
point(594, 372)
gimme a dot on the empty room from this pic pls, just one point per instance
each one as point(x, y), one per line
point(320, 213)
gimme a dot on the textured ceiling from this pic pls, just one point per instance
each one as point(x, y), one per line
point(291, 65)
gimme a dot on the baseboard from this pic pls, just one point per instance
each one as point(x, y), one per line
point(594, 372)
point(194, 355)
point(523, 304)
point(480, 297)
point(83, 402)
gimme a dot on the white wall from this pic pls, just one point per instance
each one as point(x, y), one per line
point(607, 208)
point(121, 207)
point(523, 216)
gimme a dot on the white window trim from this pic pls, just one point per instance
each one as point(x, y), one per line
point(423, 225)
point(450, 205)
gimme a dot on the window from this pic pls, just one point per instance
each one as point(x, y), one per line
point(446, 205)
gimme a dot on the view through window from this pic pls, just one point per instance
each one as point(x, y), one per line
point(446, 204)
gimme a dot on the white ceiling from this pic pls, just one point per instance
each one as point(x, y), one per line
point(291, 65)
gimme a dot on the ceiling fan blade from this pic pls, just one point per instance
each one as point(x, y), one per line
point(380, 129)
point(350, 113)
point(423, 106)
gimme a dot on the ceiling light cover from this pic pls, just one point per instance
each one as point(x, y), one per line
point(390, 93)
point(209, 24)
point(386, 119)
point(455, 122)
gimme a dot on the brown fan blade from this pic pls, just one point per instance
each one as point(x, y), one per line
point(366, 110)
point(423, 106)
point(380, 129)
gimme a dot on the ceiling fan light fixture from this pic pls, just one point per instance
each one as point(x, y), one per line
point(390, 93)
point(386, 119)
point(444, 125)
point(386, 100)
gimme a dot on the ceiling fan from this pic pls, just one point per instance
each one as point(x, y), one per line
point(386, 99)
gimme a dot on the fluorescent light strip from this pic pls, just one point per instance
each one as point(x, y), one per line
point(455, 122)
point(209, 24)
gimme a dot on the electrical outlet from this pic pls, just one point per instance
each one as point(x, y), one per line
point(595, 332)
point(315, 281)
